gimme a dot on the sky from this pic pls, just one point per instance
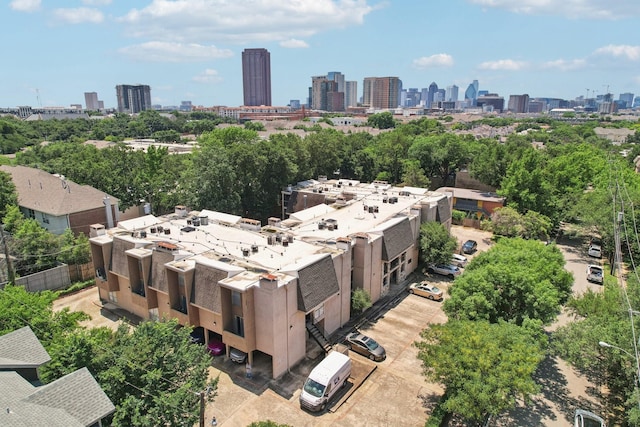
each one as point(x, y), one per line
point(191, 50)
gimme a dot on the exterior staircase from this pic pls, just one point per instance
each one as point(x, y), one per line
point(318, 337)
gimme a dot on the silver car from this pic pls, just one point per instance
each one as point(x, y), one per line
point(445, 270)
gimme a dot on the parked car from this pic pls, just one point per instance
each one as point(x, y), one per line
point(469, 247)
point(584, 418)
point(445, 270)
point(366, 346)
point(595, 273)
point(216, 347)
point(595, 250)
point(237, 356)
point(459, 260)
point(426, 290)
point(197, 335)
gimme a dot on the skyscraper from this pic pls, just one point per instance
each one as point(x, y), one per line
point(433, 88)
point(452, 93)
point(381, 92)
point(91, 101)
point(256, 76)
point(518, 103)
point(351, 94)
point(471, 94)
point(133, 98)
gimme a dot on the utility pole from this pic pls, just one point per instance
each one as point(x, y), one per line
point(201, 408)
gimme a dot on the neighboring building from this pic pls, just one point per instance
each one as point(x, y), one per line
point(75, 400)
point(91, 101)
point(491, 102)
point(264, 289)
point(57, 203)
point(351, 94)
point(519, 103)
point(133, 98)
point(318, 99)
point(471, 94)
point(381, 92)
point(451, 94)
point(473, 201)
point(186, 106)
point(616, 136)
point(245, 113)
point(256, 77)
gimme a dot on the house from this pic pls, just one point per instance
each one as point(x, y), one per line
point(73, 400)
point(57, 203)
point(266, 289)
point(474, 202)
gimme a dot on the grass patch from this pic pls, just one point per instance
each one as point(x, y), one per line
point(77, 286)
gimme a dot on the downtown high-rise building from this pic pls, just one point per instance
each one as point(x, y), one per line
point(350, 93)
point(381, 92)
point(133, 98)
point(256, 77)
point(471, 94)
point(451, 93)
point(91, 101)
point(518, 103)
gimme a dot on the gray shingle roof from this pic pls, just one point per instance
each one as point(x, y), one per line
point(159, 271)
point(21, 349)
point(44, 192)
point(119, 262)
point(78, 394)
point(206, 291)
point(396, 240)
point(316, 283)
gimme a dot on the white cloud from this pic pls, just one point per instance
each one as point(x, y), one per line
point(565, 65)
point(208, 76)
point(78, 16)
point(242, 21)
point(294, 44)
point(174, 52)
point(503, 64)
point(572, 9)
point(96, 2)
point(438, 60)
point(25, 5)
point(632, 53)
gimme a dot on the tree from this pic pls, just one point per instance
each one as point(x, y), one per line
point(513, 281)
point(508, 222)
point(19, 308)
point(8, 195)
point(74, 250)
point(413, 175)
point(35, 248)
point(153, 374)
point(484, 367)
point(382, 120)
point(360, 300)
point(436, 244)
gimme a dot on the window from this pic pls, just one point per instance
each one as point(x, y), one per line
point(236, 299)
point(318, 314)
point(239, 323)
point(113, 297)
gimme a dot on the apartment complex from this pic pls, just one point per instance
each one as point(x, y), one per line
point(256, 77)
point(381, 92)
point(133, 98)
point(261, 288)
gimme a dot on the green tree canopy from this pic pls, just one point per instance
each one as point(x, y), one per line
point(484, 367)
point(382, 120)
point(513, 281)
point(436, 244)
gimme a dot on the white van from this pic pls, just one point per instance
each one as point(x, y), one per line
point(325, 380)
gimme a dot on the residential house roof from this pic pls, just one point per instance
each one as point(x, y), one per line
point(466, 193)
point(22, 349)
point(316, 283)
point(52, 194)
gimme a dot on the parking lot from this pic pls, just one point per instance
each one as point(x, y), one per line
point(395, 392)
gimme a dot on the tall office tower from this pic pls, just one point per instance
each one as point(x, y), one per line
point(315, 103)
point(627, 99)
point(439, 96)
point(381, 92)
point(133, 98)
point(452, 93)
point(338, 77)
point(91, 101)
point(351, 93)
point(471, 94)
point(433, 88)
point(256, 76)
point(518, 103)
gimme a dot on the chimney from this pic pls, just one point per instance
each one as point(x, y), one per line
point(268, 281)
point(109, 213)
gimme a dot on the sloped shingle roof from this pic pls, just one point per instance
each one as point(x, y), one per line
point(22, 349)
point(44, 192)
point(397, 239)
point(316, 283)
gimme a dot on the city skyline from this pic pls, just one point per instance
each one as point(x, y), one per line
point(193, 51)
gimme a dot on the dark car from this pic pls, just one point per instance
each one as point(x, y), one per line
point(366, 346)
point(469, 247)
point(216, 347)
